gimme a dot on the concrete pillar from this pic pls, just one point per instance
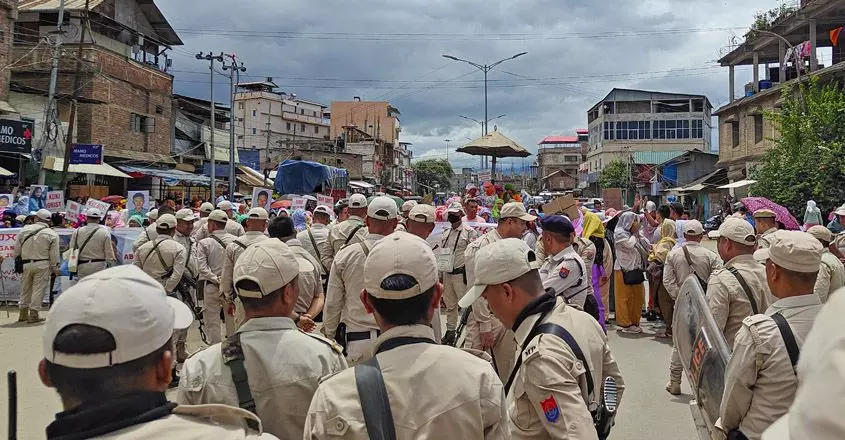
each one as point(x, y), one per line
point(781, 54)
point(756, 72)
point(813, 61)
point(731, 83)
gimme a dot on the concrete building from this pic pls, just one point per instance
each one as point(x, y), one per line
point(125, 101)
point(558, 159)
point(8, 12)
point(459, 181)
point(376, 118)
point(277, 122)
point(628, 121)
point(744, 133)
point(372, 129)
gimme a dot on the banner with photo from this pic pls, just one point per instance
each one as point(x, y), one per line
point(37, 197)
point(137, 203)
point(72, 211)
point(262, 198)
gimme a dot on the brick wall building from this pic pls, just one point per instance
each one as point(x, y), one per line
point(7, 14)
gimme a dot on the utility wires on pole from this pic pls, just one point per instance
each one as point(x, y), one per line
point(211, 59)
point(74, 104)
point(234, 78)
point(50, 114)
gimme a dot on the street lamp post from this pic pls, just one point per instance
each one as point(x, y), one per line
point(447, 148)
point(484, 68)
point(482, 124)
point(211, 58)
point(236, 69)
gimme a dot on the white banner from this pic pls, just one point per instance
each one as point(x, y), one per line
point(325, 200)
point(55, 201)
point(94, 203)
point(72, 211)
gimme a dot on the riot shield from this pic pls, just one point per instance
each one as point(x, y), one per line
point(703, 350)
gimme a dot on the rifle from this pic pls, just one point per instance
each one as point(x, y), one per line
point(461, 325)
point(13, 405)
point(184, 288)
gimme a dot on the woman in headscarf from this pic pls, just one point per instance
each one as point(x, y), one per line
point(298, 218)
point(487, 215)
point(656, 260)
point(602, 264)
point(135, 221)
point(114, 220)
point(531, 235)
point(631, 254)
point(812, 215)
point(497, 207)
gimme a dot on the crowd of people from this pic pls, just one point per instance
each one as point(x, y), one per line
point(325, 322)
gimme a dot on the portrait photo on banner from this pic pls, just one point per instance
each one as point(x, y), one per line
point(37, 197)
point(262, 198)
point(137, 203)
point(7, 200)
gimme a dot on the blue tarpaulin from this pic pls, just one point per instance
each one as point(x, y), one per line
point(305, 177)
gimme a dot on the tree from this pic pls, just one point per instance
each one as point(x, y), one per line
point(615, 175)
point(431, 172)
point(807, 161)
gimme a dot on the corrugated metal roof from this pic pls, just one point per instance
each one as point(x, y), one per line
point(559, 140)
point(655, 157)
point(53, 5)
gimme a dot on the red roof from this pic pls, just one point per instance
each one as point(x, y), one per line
point(559, 140)
point(582, 131)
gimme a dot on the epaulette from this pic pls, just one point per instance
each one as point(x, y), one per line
point(755, 319)
point(330, 342)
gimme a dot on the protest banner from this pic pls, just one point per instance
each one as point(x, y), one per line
point(325, 200)
point(7, 201)
point(55, 201)
point(37, 197)
point(72, 211)
point(94, 203)
point(298, 203)
point(262, 198)
point(137, 203)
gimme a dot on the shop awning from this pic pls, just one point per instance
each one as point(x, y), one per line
point(253, 178)
point(5, 173)
point(140, 156)
point(740, 184)
point(360, 184)
point(170, 177)
point(103, 169)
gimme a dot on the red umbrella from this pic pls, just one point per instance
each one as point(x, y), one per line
point(112, 199)
point(781, 214)
point(278, 204)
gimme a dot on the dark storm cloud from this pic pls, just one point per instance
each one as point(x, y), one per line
point(545, 92)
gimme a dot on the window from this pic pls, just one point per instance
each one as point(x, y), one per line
point(758, 128)
point(698, 105)
point(288, 126)
point(302, 128)
point(240, 106)
point(315, 113)
point(671, 129)
point(608, 131)
point(734, 128)
point(254, 112)
point(141, 124)
point(253, 129)
point(697, 129)
point(302, 111)
point(316, 130)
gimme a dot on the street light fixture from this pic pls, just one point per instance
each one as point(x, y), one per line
point(447, 148)
point(484, 68)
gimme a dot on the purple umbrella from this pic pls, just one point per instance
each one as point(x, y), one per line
point(781, 214)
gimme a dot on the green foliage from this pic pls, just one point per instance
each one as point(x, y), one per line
point(807, 161)
point(431, 172)
point(765, 20)
point(615, 175)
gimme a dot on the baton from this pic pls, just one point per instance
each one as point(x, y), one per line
point(13, 405)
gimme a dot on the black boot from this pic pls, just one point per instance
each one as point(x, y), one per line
point(449, 338)
point(174, 381)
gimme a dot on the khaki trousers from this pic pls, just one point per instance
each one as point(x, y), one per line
point(214, 303)
point(35, 281)
point(454, 289)
point(83, 270)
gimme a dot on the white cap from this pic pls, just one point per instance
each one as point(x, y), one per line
point(382, 208)
point(21, 218)
point(455, 207)
point(816, 412)
point(793, 250)
point(323, 209)
point(515, 210)
point(44, 214)
point(93, 213)
point(152, 214)
point(186, 215)
point(225, 205)
point(840, 210)
point(821, 233)
point(498, 263)
point(357, 201)
point(218, 215)
point(207, 207)
point(692, 227)
point(764, 213)
point(737, 230)
point(269, 263)
point(400, 253)
point(408, 205)
point(124, 301)
point(167, 221)
point(257, 214)
point(422, 213)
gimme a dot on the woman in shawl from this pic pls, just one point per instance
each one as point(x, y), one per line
point(631, 254)
point(487, 215)
point(114, 220)
point(812, 215)
point(135, 221)
point(602, 264)
point(497, 207)
point(298, 218)
point(656, 260)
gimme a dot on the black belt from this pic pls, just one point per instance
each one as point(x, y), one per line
point(34, 261)
point(360, 336)
point(90, 261)
point(458, 271)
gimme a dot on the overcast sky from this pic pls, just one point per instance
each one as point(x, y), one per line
point(578, 50)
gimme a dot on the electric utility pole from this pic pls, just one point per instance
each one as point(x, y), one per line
point(50, 119)
point(213, 107)
point(234, 78)
point(76, 86)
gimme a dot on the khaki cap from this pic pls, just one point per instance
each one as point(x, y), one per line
point(408, 205)
point(382, 208)
point(93, 213)
point(269, 263)
point(816, 412)
point(515, 210)
point(498, 263)
point(763, 213)
point(167, 221)
point(693, 227)
point(840, 210)
point(225, 205)
point(792, 250)
point(455, 207)
point(185, 215)
point(422, 213)
point(737, 230)
point(141, 318)
point(358, 201)
point(44, 214)
point(821, 233)
point(218, 215)
point(257, 214)
point(400, 253)
point(153, 214)
point(323, 209)
point(206, 207)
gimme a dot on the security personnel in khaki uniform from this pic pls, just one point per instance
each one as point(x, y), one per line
point(205, 210)
point(256, 224)
point(351, 230)
point(211, 256)
point(346, 280)
point(727, 297)
point(185, 220)
point(163, 258)
point(232, 227)
point(549, 395)
point(564, 272)
point(282, 364)
point(150, 232)
point(434, 391)
point(122, 315)
point(451, 263)
point(93, 244)
point(690, 258)
point(831, 271)
point(405, 209)
point(311, 295)
point(421, 220)
point(314, 237)
point(38, 247)
point(484, 331)
point(766, 225)
point(760, 379)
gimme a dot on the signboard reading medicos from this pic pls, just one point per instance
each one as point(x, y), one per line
point(86, 154)
point(16, 136)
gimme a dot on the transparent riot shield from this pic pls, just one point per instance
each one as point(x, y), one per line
point(703, 350)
